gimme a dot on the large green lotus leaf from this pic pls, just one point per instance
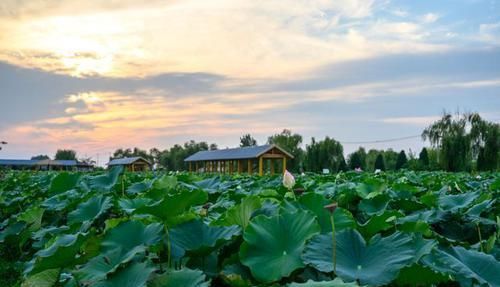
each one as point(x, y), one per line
point(463, 263)
point(199, 238)
point(60, 254)
point(172, 206)
point(119, 246)
point(418, 275)
point(337, 282)
point(12, 231)
point(478, 209)
point(106, 181)
point(379, 223)
point(272, 245)
point(374, 205)
point(370, 187)
point(42, 236)
point(139, 187)
point(210, 185)
point(47, 278)
point(456, 202)
point(90, 210)
point(62, 182)
point(130, 234)
point(106, 263)
point(33, 217)
point(162, 186)
point(130, 205)
point(316, 202)
point(240, 214)
point(134, 275)
point(180, 278)
point(376, 263)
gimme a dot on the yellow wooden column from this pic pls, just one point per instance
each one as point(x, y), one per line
point(249, 167)
point(271, 165)
point(240, 166)
point(261, 165)
point(284, 164)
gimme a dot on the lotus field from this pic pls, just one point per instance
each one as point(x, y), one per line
point(164, 229)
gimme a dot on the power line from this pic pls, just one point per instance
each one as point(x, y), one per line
point(380, 141)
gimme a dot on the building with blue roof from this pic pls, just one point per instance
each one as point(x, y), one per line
point(131, 163)
point(243, 159)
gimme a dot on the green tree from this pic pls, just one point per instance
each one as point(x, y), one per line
point(462, 139)
point(379, 162)
point(390, 158)
point(423, 158)
point(291, 143)
point(327, 153)
point(402, 160)
point(65, 154)
point(486, 143)
point(357, 159)
point(173, 158)
point(40, 157)
point(247, 140)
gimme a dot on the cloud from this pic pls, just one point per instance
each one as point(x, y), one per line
point(429, 18)
point(418, 121)
point(123, 40)
point(490, 33)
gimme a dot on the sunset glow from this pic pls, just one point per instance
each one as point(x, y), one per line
point(95, 76)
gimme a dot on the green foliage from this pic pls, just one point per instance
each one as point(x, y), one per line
point(247, 140)
point(185, 278)
point(379, 162)
point(463, 139)
point(273, 245)
point(65, 154)
point(165, 229)
point(423, 158)
point(324, 154)
point(401, 161)
point(357, 159)
point(374, 264)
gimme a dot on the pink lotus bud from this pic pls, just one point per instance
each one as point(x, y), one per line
point(331, 207)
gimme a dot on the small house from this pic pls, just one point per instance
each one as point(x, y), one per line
point(249, 159)
point(45, 164)
point(131, 163)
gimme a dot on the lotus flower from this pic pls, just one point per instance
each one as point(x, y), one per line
point(377, 171)
point(358, 169)
point(288, 180)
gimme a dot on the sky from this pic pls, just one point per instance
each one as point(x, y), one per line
point(95, 75)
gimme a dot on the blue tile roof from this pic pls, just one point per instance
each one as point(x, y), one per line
point(27, 162)
point(11, 162)
point(234, 153)
point(126, 160)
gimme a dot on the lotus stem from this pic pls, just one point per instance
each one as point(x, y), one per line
point(334, 244)
point(480, 237)
point(168, 246)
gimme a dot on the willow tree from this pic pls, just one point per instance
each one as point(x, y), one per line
point(327, 153)
point(463, 139)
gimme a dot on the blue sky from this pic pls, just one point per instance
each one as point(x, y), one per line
point(95, 76)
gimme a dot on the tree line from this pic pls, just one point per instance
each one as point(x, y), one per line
point(462, 142)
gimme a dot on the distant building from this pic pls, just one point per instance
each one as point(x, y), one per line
point(131, 163)
point(244, 159)
point(46, 164)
